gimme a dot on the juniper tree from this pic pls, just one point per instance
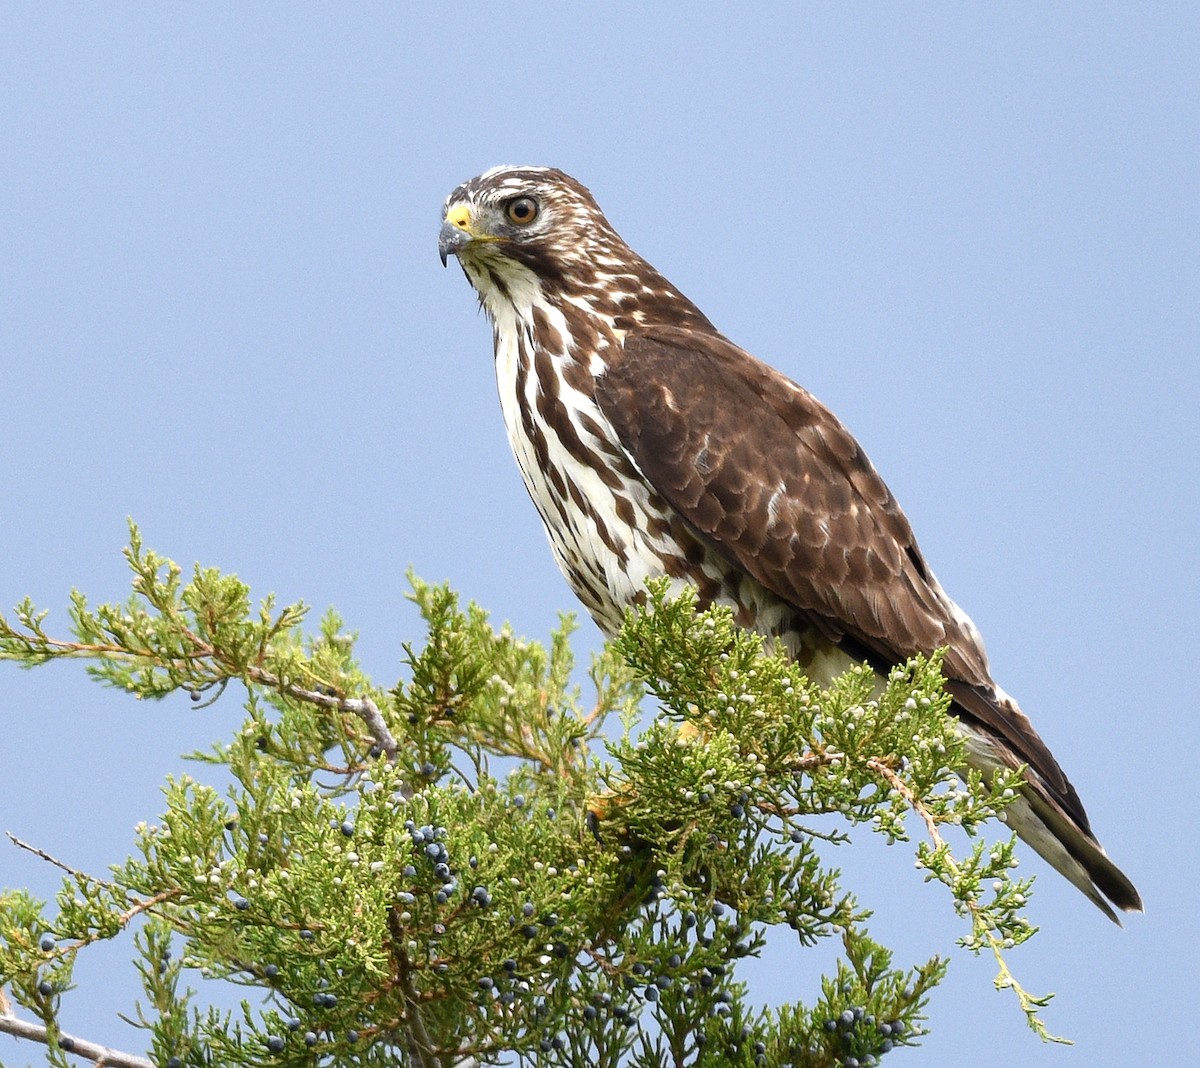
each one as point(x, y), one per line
point(479, 865)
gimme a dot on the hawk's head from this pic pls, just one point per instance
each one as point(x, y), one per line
point(534, 215)
point(527, 234)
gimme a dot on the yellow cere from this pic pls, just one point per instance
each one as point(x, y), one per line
point(460, 216)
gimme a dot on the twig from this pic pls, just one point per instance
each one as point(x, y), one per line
point(1005, 979)
point(81, 876)
point(137, 905)
point(901, 787)
point(100, 1055)
point(362, 707)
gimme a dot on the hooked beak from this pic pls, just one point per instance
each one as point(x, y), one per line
point(457, 232)
point(451, 239)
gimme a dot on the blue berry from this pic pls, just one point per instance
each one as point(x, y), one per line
point(275, 1044)
point(306, 935)
point(351, 1036)
point(47, 943)
point(590, 1012)
point(271, 970)
point(310, 1038)
point(45, 988)
point(174, 1062)
point(347, 828)
point(241, 904)
point(292, 1023)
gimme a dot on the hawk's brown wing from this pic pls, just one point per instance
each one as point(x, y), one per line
point(769, 477)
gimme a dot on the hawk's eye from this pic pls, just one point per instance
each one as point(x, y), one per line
point(522, 210)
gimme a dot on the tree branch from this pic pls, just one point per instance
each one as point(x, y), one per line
point(362, 707)
point(101, 1056)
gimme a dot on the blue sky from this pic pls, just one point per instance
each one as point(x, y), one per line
point(972, 231)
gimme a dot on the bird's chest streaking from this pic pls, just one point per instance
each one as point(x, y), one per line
point(608, 529)
point(598, 512)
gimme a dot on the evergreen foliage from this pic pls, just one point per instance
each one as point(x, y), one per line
point(479, 866)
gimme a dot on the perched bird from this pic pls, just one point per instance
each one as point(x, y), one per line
point(652, 445)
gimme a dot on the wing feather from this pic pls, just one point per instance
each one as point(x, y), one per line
point(774, 481)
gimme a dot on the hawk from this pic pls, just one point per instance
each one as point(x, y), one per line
point(652, 445)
